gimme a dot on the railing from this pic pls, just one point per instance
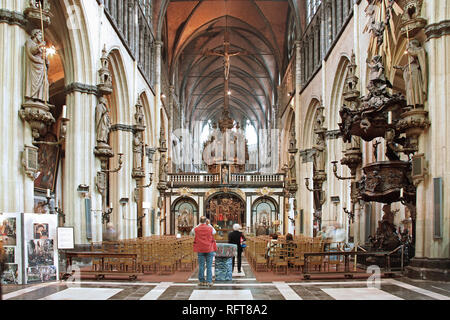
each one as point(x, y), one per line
point(353, 267)
point(240, 179)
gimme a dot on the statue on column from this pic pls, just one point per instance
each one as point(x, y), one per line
point(319, 156)
point(137, 151)
point(163, 169)
point(102, 122)
point(290, 169)
point(415, 74)
point(36, 84)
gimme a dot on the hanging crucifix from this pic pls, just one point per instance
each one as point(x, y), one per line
point(225, 53)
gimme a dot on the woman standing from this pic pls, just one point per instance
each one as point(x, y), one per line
point(235, 237)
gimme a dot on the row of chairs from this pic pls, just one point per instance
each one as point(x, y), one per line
point(283, 256)
point(155, 254)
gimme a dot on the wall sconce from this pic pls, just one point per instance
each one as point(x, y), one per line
point(350, 214)
point(118, 168)
point(308, 188)
point(106, 214)
point(336, 175)
point(150, 180)
point(123, 201)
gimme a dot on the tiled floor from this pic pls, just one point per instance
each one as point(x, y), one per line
point(243, 287)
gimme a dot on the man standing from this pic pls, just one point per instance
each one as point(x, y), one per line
point(205, 246)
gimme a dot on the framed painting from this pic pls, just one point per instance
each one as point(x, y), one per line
point(48, 159)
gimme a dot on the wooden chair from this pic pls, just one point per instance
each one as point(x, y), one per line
point(280, 258)
point(260, 256)
point(316, 246)
point(335, 261)
point(298, 262)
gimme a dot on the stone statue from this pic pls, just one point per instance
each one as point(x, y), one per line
point(377, 79)
point(102, 121)
point(290, 168)
point(292, 140)
point(36, 84)
point(415, 74)
point(162, 139)
point(139, 115)
point(319, 155)
point(163, 169)
point(224, 175)
point(137, 151)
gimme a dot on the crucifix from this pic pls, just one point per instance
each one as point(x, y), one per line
point(226, 54)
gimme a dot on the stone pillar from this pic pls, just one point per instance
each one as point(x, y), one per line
point(81, 167)
point(15, 132)
point(432, 258)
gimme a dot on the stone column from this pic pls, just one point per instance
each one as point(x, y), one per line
point(81, 166)
point(15, 132)
point(298, 125)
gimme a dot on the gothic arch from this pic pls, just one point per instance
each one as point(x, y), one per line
point(120, 99)
point(336, 99)
point(308, 129)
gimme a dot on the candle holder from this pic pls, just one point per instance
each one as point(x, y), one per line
point(308, 188)
point(350, 214)
point(116, 169)
point(337, 176)
point(106, 215)
point(150, 181)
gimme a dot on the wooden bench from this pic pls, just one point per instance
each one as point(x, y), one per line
point(103, 271)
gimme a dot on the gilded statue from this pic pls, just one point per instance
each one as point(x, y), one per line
point(415, 74)
point(102, 121)
point(36, 84)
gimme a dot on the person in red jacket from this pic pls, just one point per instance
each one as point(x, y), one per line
point(205, 246)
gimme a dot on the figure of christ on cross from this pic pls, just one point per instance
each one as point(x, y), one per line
point(226, 54)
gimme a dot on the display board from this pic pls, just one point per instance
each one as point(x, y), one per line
point(11, 236)
point(40, 247)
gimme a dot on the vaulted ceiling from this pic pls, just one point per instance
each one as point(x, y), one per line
point(257, 28)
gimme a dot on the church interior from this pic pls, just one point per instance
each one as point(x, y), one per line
point(319, 127)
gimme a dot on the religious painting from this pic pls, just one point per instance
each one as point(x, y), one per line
point(40, 205)
point(40, 231)
point(10, 254)
point(41, 274)
point(10, 274)
point(264, 213)
point(48, 159)
point(224, 210)
point(40, 252)
point(8, 231)
point(185, 211)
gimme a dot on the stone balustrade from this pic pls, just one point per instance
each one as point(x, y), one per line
point(241, 179)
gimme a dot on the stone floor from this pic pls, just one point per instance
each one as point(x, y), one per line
point(243, 287)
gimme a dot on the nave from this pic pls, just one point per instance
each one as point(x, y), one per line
point(243, 287)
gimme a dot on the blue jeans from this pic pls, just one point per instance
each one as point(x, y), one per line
point(202, 258)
